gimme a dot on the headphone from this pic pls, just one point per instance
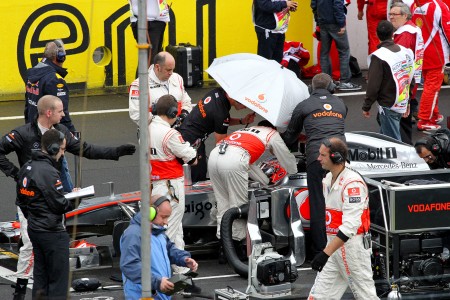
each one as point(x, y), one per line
point(171, 113)
point(60, 53)
point(53, 148)
point(335, 156)
point(431, 144)
point(154, 207)
point(330, 87)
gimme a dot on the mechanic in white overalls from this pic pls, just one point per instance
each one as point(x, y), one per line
point(232, 159)
point(347, 224)
point(167, 150)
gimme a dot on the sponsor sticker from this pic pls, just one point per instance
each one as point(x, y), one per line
point(135, 93)
point(60, 85)
point(354, 199)
point(207, 100)
point(25, 182)
point(353, 191)
point(327, 106)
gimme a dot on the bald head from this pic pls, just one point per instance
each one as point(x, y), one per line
point(47, 102)
point(162, 58)
point(164, 210)
point(163, 65)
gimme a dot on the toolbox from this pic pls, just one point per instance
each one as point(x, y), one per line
point(229, 294)
point(188, 63)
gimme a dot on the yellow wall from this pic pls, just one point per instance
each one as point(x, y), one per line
point(85, 25)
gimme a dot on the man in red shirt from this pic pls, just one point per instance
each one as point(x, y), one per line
point(433, 18)
point(376, 11)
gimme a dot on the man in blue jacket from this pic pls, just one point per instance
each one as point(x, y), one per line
point(164, 253)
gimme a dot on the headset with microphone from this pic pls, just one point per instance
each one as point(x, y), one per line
point(171, 112)
point(53, 148)
point(60, 52)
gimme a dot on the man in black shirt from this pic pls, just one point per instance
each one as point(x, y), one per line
point(40, 196)
point(211, 114)
point(434, 149)
point(322, 116)
point(26, 139)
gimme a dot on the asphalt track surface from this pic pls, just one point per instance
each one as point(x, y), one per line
point(104, 120)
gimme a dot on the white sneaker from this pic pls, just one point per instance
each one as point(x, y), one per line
point(349, 86)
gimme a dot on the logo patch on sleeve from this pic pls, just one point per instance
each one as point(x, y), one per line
point(354, 199)
point(353, 191)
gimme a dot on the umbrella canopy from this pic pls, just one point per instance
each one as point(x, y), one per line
point(262, 85)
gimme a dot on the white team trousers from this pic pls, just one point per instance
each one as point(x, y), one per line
point(349, 266)
point(229, 176)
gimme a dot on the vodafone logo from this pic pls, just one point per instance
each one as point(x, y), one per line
point(328, 218)
point(207, 100)
point(327, 106)
point(24, 182)
point(261, 98)
point(234, 136)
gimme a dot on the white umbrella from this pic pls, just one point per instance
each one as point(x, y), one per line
point(262, 85)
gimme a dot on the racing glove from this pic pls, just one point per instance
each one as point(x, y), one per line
point(127, 149)
point(319, 261)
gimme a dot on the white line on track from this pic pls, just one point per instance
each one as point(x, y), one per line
point(236, 275)
point(109, 111)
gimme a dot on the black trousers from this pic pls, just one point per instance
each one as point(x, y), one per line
point(198, 172)
point(272, 46)
point(51, 264)
point(155, 30)
point(315, 174)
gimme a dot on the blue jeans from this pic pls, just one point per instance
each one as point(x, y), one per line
point(66, 179)
point(328, 33)
point(390, 123)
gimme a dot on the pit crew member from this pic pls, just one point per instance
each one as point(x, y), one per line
point(25, 139)
point(40, 196)
point(211, 114)
point(47, 78)
point(163, 253)
point(168, 153)
point(348, 220)
point(434, 149)
point(232, 159)
point(322, 115)
point(162, 80)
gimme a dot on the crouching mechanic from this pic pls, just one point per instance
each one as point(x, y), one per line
point(232, 159)
point(168, 151)
point(348, 220)
point(40, 196)
point(434, 149)
point(163, 253)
